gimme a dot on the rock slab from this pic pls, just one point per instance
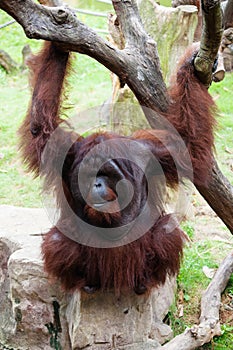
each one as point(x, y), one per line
point(35, 314)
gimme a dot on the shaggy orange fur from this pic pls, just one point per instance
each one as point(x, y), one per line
point(147, 261)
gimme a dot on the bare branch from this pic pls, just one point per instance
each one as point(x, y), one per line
point(61, 25)
point(138, 67)
point(218, 192)
point(219, 195)
point(144, 59)
point(7, 62)
point(212, 30)
point(131, 24)
point(137, 64)
point(209, 325)
point(210, 302)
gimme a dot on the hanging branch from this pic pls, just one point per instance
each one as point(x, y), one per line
point(212, 30)
point(218, 192)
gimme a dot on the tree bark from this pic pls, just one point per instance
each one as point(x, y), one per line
point(218, 192)
point(173, 30)
point(212, 30)
point(219, 195)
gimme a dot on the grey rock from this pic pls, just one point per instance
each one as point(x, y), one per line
point(99, 321)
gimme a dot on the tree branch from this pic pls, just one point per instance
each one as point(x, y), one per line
point(212, 30)
point(219, 195)
point(60, 24)
point(144, 60)
point(209, 325)
point(136, 65)
point(7, 62)
point(218, 192)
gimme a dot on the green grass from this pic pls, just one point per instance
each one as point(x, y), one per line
point(196, 256)
point(166, 3)
point(192, 281)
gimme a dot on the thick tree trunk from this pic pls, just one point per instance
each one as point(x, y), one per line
point(173, 30)
point(176, 3)
point(218, 192)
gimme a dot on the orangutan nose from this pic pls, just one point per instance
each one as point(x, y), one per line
point(99, 191)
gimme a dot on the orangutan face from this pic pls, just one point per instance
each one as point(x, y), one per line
point(107, 192)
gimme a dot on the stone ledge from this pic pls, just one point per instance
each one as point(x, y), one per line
point(93, 322)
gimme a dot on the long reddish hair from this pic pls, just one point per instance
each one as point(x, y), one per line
point(146, 261)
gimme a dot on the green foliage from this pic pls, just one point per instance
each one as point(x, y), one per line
point(225, 341)
point(222, 93)
point(165, 3)
point(187, 226)
point(191, 276)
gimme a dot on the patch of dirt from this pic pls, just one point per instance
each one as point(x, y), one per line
point(226, 310)
point(207, 224)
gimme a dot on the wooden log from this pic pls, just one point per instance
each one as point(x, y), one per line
point(209, 325)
